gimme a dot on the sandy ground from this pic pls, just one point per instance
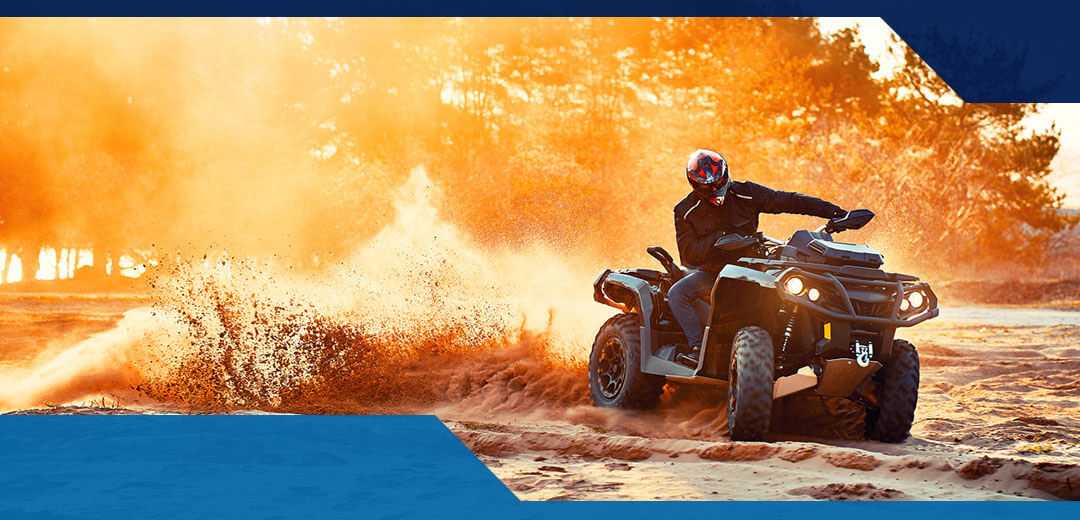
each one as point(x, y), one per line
point(998, 419)
point(36, 324)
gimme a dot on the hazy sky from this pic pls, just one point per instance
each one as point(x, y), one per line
point(876, 36)
point(1066, 165)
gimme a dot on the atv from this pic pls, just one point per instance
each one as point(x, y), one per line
point(808, 316)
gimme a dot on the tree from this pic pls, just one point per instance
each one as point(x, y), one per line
point(292, 136)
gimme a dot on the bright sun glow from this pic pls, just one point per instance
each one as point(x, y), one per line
point(876, 35)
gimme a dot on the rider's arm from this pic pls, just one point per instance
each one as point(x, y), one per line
point(694, 249)
point(774, 201)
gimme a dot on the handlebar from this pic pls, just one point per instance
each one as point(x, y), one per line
point(854, 219)
point(666, 260)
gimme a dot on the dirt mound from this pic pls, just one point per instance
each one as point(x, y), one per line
point(840, 491)
point(566, 442)
point(1060, 480)
point(739, 451)
point(799, 454)
point(77, 410)
point(852, 460)
point(979, 468)
point(1063, 293)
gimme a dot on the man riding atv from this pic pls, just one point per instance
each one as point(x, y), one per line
point(718, 206)
point(809, 315)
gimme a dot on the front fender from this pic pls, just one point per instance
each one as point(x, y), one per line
point(745, 274)
point(736, 287)
point(740, 297)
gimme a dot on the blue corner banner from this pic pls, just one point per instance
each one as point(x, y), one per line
point(991, 51)
point(240, 466)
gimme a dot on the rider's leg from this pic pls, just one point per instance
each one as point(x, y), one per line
point(702, 307)
point(683, 297)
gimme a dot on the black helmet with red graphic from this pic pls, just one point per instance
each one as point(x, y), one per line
point(708, 174)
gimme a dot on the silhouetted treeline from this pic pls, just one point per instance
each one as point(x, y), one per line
point(291, 136)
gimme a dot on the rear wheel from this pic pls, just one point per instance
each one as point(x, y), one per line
point(615, 377)
point(750, 384)
point(891, 422)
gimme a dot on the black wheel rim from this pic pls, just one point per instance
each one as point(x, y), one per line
point(611, 370)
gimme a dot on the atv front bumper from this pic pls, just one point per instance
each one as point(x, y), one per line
point(838, 304)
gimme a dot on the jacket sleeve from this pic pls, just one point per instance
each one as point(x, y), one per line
point(774, 201)
point(694, 250)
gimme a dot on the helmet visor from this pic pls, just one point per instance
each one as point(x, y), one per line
point(713, 192)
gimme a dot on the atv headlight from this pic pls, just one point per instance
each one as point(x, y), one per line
point(813, 294)
point(916, 299)
point(794, 285)
point(905, 305)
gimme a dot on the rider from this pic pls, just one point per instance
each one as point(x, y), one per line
point(716, 207)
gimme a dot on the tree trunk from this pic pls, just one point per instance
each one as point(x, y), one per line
point(30, 257)
point(101, 260)
point(60, 264)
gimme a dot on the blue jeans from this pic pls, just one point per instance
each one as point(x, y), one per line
point(688, 300)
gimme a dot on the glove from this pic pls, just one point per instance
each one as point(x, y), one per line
point(727, 237)
point(830, 227)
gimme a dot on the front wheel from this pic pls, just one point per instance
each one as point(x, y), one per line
point(615, 377)
point(891, 422)
point(750, 384)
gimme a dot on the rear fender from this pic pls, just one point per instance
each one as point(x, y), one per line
point(624, 292)
point(627, 293)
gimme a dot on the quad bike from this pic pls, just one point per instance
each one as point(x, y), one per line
point(809, 315)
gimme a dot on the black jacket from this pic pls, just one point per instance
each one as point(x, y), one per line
point(699, 223)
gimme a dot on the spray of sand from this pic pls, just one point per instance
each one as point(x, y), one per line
point(106, 363)
point(403, 319)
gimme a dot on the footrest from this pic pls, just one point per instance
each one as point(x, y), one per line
point(688, 360)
